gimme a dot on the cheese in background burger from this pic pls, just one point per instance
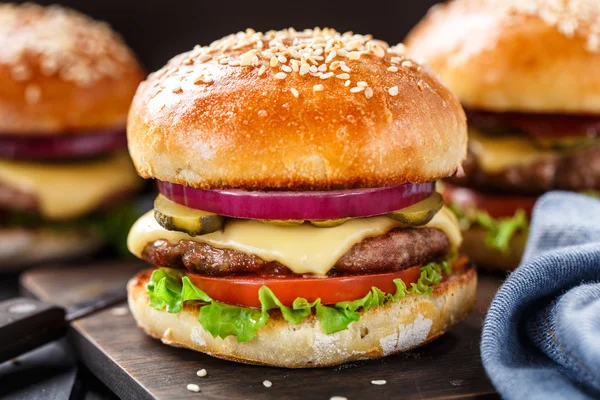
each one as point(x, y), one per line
point(296, 172)
point(66, 82)
point(528, 74)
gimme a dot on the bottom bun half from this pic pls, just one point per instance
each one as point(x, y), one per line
point(381, 331)
point(21, 248)
point(485, 257)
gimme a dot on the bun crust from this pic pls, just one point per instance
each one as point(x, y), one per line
point(401, 326)
point(62, 72)
point(208, 122)
point(515, 55)
point(23, 248)
point(485, 257)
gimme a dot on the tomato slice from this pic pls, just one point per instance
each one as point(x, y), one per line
point(497, 206)
point(243, 290)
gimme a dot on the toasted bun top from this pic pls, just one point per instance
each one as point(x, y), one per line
point(515, 55)
point(299, 110)
point(61, 71)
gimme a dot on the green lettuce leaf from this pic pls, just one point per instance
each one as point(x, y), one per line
point(500, 231)
point(170, 289)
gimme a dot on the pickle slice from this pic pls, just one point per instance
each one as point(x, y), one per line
point(282, 222)
point(420, 213)
point(175, 217)
point(328, 223)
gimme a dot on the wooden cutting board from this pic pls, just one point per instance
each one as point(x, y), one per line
point(135, 366)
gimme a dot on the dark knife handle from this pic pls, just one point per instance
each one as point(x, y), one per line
point(26, 324)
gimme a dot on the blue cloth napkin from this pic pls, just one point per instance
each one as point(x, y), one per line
point(541, 337)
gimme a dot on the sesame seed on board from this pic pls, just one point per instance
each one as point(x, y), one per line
point(311, 53)
point(202, 373)
point(267, 384)
point(378, 382)
point(193, 388)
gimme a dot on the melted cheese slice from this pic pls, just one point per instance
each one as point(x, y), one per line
point(71, 189)
point(495, 154)
point(304, 249)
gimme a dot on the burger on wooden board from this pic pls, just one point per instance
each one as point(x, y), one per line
point(66, 83)
point(297, 223)
point(528, 74)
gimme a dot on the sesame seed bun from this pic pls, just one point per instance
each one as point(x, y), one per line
point(61, 71)
point(297, 110)
point(381, 331)
point(515, 55)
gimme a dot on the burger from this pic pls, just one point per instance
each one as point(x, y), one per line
point(66, 83)
point(528, 75)
point(297, 223)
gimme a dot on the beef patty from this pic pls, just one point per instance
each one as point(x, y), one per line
point(396, 250)
point(577, 170)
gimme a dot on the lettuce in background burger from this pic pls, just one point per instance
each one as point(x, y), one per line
point(528, 74)
point(297, 223)
point(66, 83)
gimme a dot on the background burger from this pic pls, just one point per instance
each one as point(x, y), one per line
point(528, 74)
point(297, 223)
point(66, 83)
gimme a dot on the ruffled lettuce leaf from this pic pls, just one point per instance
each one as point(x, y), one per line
point(500, 231)
point(170, 289)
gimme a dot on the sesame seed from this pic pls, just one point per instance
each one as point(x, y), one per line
point(327, 75)
point(295, 65)
point(119, 311)
point(420, 85)
point(362, 83)
point(224, 61)
point(207, 79)
point(345, 68)
point(274, 61)
point(204, 58)
point(285, 68)
point(295, 92)
point(357, 89)
point(233, 63)
point(347, 83)
point(379, 382)
point(255, 61)
point(198, 78)
point(262, 70)
point(246, 58)
point(407, 64)
point(193, 388)
point(343, 76)
point(368, 92)
point(282, 59)
point(262, 113)
point(318, 88)
point(176, 88)
point(338, 398)
point(393, 91)
point(304, 69)
point(354, 55)
point(267, 384)
point(334, 65)
point(201, 373)
point(393, 68)
point(322, 67)
point(313, 69)
point(378, 51)
point(396, 60)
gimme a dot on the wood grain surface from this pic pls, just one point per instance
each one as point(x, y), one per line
point(135, 366)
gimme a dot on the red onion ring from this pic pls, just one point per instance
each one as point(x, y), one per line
point(308, 205)
point(538, 125)
point(60, 146)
